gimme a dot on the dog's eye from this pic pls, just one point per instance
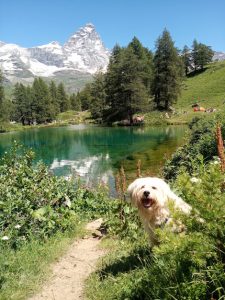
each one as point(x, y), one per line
point(142, 187)
point(154, 188)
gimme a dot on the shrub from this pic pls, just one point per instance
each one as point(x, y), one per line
point(121, 220)
point(185, 266)
point(39, 216)
point(36, 204)
point(199, 256)
point(201, 145)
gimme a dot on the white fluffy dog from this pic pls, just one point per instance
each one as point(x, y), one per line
point(152, 196)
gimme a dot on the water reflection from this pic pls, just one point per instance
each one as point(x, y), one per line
point(95, 153)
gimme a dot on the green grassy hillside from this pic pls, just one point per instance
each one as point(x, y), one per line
point(206, 88)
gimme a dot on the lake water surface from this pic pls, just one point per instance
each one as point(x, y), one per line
point(96, 153)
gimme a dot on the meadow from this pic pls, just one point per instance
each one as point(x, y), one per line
point(184, 266)
point(205, 88)
point(41, 214)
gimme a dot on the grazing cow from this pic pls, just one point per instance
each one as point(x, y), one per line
point(138, 119)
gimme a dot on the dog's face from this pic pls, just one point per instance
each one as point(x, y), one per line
point(148, 193)
point(152, 197)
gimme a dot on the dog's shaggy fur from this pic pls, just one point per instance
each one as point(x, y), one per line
point(152, 196)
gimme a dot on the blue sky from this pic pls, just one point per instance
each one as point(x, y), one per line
point(35, 22)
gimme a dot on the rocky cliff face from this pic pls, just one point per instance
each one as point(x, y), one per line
point(83, 53)
point(218, 56)
point(85, 50)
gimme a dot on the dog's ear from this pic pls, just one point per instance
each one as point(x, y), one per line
point(130, 190)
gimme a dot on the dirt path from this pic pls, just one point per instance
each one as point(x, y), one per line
point(74, 267)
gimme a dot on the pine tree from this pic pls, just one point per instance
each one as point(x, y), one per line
point(84, 97)
point(145, 61)
point(28, 102)
point(41, 104)
point(6, 106)
point(16, 97)
point(201, 54)
point(7, 110)
point(148, 69)
point(62, 98)
point(126, 88)
point(167, 72)
point(137, 47)
point(205, 55)
point(55, 106)
point(186, 57)
point(75, 102)
point(113, 85)
point(195, 54)
point(134, 93)
point(98, 97)
point(22, 100)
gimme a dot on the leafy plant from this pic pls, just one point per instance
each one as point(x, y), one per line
point(185, 266)
point(201, 145)
point(34, 203)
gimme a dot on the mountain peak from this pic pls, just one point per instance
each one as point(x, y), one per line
point(89, 49)
point(85, 31)
point(89, 26)
point(51, 44)
point(83, 53)
point(85, 37)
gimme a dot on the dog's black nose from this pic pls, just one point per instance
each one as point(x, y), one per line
point(146, 193)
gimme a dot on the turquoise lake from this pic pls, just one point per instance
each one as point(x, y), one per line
point(96, 153)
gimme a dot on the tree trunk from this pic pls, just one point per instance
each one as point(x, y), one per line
point(166, 104)
point(131, 119)
point(157, 99)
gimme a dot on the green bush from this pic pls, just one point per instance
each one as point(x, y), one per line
point(91, 203)
point(121, 220)
point(36, 204)
point(32, 202)
point(201, 144)
point(197, 266)
point(40, 214)
point(185, 266)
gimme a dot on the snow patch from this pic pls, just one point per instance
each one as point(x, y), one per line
point(39, 69)
point(84, 52)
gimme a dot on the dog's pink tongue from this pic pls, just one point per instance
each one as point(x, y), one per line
point(147, 202)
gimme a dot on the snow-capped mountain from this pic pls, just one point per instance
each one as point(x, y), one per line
point(218, 56)
point(83, 53)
